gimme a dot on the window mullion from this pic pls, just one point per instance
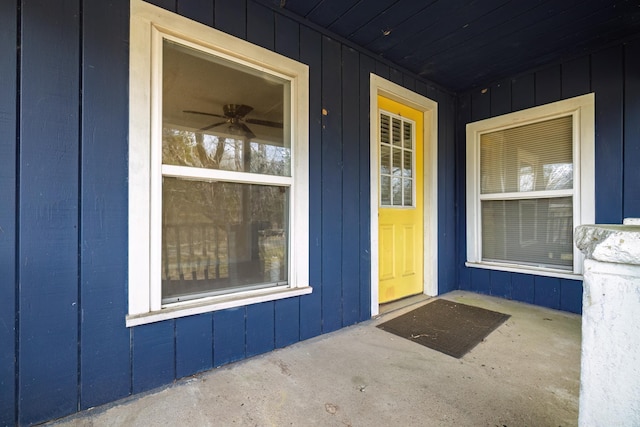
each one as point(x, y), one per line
point(527, 195)
point(227, 176)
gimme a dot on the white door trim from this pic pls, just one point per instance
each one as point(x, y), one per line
point(429, 108)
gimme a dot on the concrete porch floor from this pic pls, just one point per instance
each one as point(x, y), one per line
point(526, 373)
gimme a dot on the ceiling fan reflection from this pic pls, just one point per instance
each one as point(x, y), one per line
point(234, 117)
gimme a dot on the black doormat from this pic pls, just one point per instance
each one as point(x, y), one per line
point(449, 327)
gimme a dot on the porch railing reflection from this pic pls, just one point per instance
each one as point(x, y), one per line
point(207, 258)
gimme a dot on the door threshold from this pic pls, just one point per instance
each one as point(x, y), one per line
point(402, 303)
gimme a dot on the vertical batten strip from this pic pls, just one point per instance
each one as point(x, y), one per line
point(311, 305)
point(367, 66)
point(332, 169)
point(607, 83)
point(350, 186)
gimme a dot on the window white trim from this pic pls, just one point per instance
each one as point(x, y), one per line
point(148, 25)
point(429, 108)
point(582, 108)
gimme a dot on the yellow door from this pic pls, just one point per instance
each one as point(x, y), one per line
point(400, 198)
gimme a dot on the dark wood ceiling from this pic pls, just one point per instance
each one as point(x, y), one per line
point(462, 44)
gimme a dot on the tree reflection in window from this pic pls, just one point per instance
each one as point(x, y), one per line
point(205, 150)
point(558, 176)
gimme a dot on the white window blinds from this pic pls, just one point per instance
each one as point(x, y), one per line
point(526, 194)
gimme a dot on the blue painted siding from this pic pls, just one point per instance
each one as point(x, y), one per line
point(287, 322)
point(230, 17)
point(105, 368)
point(153, 355)
point(523, 92)
point(331, 153)
point(228, 336)
point(607, 83)
point(367, 66)
point(193, 344)
point(447, 243)
point(350, 99)
point(613, 74)
point(260, 26)
point(576, 77)
point(523, 287)
point(8, 152)
point(287, 37)
point(260, 328)
point(48, 211)
point(548, 85)
point(631, 194)
point(311, 305)
point(198, 10)
point(546, 291)
point(571, 295)
point(501, 284)
point(463, 116)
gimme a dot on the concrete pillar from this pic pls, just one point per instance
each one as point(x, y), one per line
point(610, 362)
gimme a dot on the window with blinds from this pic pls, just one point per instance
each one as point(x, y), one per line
point(396, 161)
point(529, 182)
point(526, 194)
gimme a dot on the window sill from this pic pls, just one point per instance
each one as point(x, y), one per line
point(512, 268)
point(217, 303)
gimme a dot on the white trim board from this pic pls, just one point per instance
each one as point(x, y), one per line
point(379, 86)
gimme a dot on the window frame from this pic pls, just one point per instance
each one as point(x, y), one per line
point(582, 109)
point(148, 26)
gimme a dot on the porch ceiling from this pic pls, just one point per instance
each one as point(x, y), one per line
point(461, 44)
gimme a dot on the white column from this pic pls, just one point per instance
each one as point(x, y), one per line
point(610, 363)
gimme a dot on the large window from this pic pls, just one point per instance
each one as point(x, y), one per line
point(218, 170)
point(529, 183)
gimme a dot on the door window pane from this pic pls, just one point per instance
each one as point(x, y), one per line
point(408, 191)
point(385, 160)
point(397, 161)
point(407, 166)
point(408, 136)
point(385, 190)
point(396, 184)
point(397, 135)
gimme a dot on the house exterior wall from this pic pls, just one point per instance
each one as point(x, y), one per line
point(613, 74)
point(64, 79)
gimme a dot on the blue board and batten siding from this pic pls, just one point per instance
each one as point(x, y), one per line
point(8, 220)
point(613, 74)
point(64, 76)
